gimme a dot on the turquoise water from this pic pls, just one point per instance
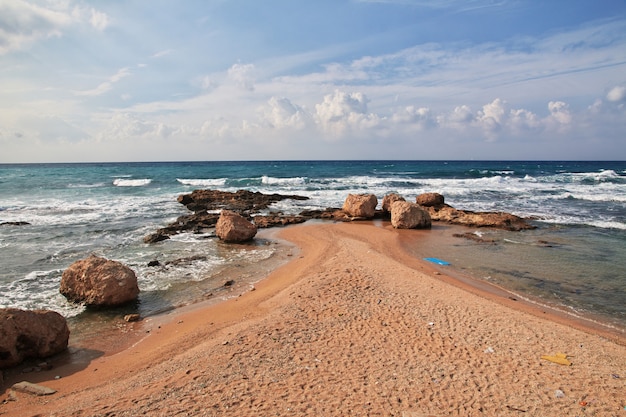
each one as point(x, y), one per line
point(77, 209)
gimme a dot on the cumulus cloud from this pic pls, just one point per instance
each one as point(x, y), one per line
point(559, 112)
point(281, 113)
point(341, 112)
point(243, 76)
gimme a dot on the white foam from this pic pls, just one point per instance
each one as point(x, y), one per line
point(283, 181)
point(209, 182)
point(122, 182)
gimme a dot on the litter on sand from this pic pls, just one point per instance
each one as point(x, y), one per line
point(560, 358)
point(437, 261)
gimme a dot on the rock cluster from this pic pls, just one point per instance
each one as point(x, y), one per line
point(30, 334)
point(248, 204)
point(99, 282)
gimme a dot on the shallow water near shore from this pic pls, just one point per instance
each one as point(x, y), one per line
point(577, 271)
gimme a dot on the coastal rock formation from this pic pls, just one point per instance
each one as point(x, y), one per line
point(499, 220)
point(389, 199)
point(30, 334)
point(360, 205)
point(405, 215)
point(233, 227)
point(243, 202)
point(429, 200)
point(99, 282)
point(277, 219)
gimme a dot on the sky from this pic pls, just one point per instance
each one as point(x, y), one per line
point(166, 80)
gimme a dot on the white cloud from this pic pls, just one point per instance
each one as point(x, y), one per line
point(617, 94)
point(341, 112)
point(25, 22)
point(281, 113)
point(559, 112)
point(99, 20)
point(243, 76)
point(107, 85)
point(22, 23)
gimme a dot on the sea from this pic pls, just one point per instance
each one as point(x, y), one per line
point(575, 259)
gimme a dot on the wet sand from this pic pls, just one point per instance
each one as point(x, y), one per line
point(353, 325)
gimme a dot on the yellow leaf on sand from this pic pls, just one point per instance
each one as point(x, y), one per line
point(560, 358)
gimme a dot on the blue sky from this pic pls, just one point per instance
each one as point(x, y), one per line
point(165, 80)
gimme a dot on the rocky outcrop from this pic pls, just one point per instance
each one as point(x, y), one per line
point(356, 207)
point(405, 215)
point(30, 334)
point(389, 199)
point(243, 202)
point(99, 282)
point(506, 221)
point(233, 227)
point(429, 200)
point(360, 205)
point(277, 219)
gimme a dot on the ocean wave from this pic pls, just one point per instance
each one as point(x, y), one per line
point(38, 290)
point(122, 182)
point(293, 181)
point(209, 182)
point(95, 185)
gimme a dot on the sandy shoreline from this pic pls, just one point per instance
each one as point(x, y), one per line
point(353, 325)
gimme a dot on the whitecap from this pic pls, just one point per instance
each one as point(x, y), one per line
point(198, 182)
point(282, 181)
point(120, 182)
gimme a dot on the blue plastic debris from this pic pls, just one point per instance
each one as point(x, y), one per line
point(437, 261)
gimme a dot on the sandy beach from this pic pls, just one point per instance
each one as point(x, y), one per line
point(352, 325)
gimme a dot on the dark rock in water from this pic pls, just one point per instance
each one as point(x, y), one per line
point(277, 219)
point(199, 222)
point(234, 228)
point(229, 283)
point(475, 238)
point(242, 202)
point(154, 263)
point(99, 282)
point(30, 334)
point(14, 224)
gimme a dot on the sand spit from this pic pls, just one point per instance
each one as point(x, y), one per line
point(352, 326)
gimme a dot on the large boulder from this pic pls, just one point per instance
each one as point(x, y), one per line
point(234, 228)
point(405, 215)
point(430, 200)
point(30, 334)
point(389, 199)
point(360, 205)
point(99, 282)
